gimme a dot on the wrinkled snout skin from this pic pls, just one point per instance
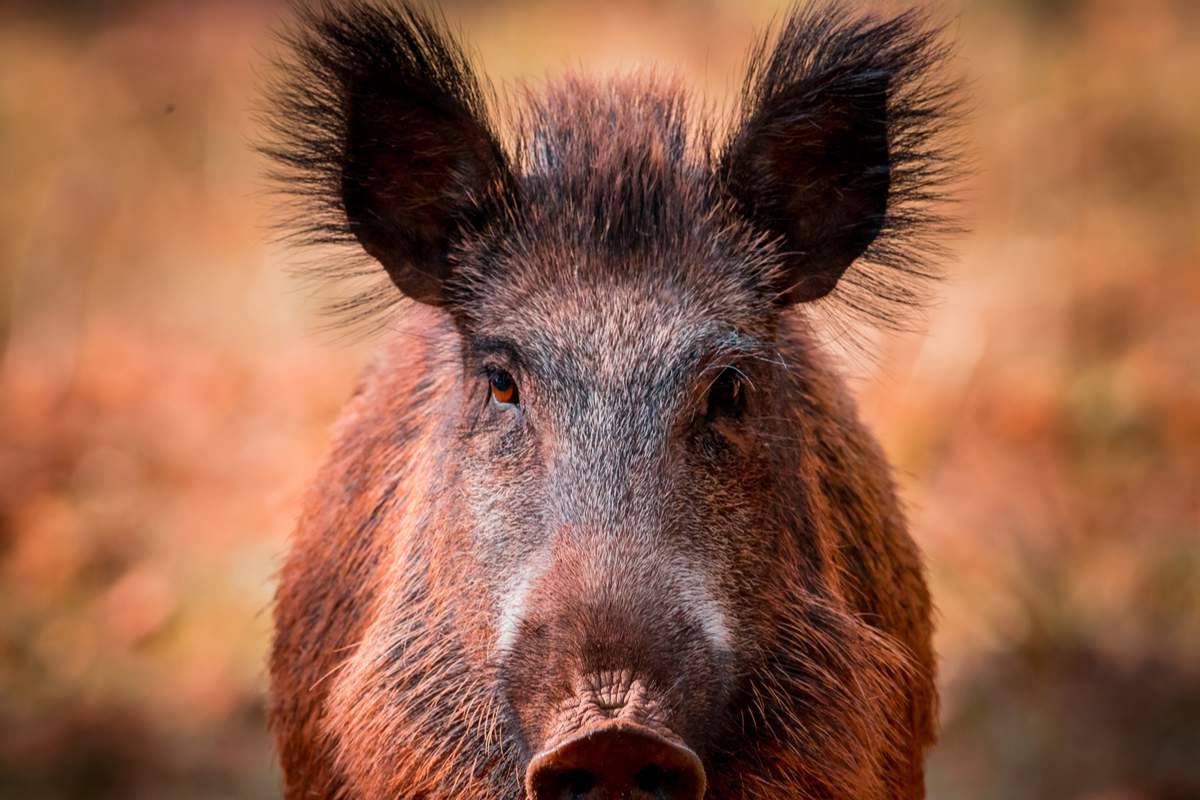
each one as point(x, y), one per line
point(600, 521)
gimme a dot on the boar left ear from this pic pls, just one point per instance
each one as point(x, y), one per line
point(832, 140)
point(381, 126)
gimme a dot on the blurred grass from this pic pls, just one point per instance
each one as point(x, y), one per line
point(164, 395)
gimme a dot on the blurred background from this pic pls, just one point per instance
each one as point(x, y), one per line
point(166, 388)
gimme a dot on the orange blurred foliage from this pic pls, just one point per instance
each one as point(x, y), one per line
point(165, 390)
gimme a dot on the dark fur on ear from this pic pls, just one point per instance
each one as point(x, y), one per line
point(360, 171)
point(844, 149)
point(380, 134)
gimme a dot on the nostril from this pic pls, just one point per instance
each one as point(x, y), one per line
point(653, 780)
point(616, 761)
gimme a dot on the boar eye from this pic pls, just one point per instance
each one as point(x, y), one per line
point(504, 388)
point(727, 396)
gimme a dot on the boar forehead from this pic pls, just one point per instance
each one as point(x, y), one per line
point(630, 348)
point(619, 262)
point(619, 277)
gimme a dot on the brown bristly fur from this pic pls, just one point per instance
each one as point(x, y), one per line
point(464, 565)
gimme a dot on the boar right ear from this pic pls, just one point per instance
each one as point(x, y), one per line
point(835, 153)
point(381, 121)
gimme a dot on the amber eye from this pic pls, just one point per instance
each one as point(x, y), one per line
point(727, 397)
point(504, 388)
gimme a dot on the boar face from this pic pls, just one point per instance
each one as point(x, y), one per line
point(614, 461)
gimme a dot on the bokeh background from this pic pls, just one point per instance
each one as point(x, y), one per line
point(166, 387)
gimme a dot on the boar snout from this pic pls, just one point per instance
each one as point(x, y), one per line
point(616, 760)
point(618, 672)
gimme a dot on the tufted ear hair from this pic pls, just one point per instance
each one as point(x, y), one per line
point(832, 149)
point(381, 121)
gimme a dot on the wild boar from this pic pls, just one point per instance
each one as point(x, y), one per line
point(601, 520)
